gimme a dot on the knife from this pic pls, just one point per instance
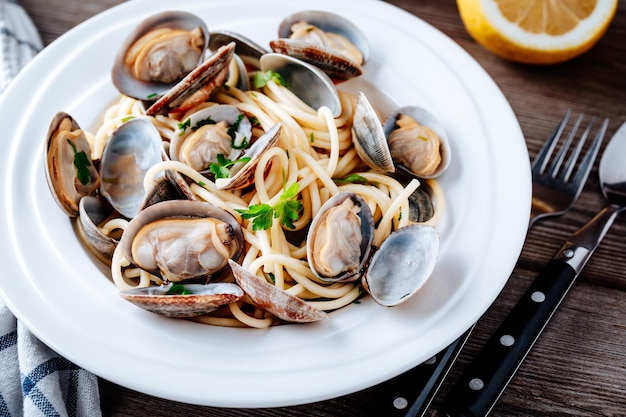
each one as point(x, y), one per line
point(480, 386)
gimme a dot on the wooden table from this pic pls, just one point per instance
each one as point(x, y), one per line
point(578, 366)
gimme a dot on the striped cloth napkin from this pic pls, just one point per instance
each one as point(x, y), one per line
point(34, 380)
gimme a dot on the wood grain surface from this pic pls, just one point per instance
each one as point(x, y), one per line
point(578, 365)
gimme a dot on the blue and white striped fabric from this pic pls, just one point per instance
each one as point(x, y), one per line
point(34, 380)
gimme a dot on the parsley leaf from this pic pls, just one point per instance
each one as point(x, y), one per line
point(260, 214)
point(287, 210)
point(178, 289)
point(220, 168)
point(82, 164)
point(182, 126)
point(352, 178)
point(262, 78)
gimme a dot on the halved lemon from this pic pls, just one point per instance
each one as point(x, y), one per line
point(537, 31)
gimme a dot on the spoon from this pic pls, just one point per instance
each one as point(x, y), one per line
point(485, 379)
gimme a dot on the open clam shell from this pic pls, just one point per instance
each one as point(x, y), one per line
point(416, 148)
point(182, 239)
point(70, 172)
point(128, 84)
point(242, 175)
point(197, 150)
point(274, 300)
point(306, 81)
point(133, 148)
point(198, 85)
point(93, 212)
point(335, 61)
point(198, 299)
point(402, 264)
point(340, 238)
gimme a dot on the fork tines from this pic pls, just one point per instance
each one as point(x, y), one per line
point(540, 163)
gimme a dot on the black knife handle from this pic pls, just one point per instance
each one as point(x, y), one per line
point(481, 384)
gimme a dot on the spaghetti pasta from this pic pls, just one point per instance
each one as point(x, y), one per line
point(315, 150)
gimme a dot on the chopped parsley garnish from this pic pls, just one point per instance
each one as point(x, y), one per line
point(152, 96)
point(262, 78)
point(287, 210)
point(237, 141)
point(204, 122)
point(182, 126)
point(127, 118)
point(312, 137)
point(352, 179)
point(82, 164)
point(221, 168)
point(178, 289)
point(254, 121)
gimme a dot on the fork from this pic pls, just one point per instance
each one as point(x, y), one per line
point(555, 189)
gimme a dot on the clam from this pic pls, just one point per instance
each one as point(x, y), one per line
point(70, 172)
point(160, 52)
point(417, 141)
point(340, 238)
point(339, 248)
point(272, 299)
point(182, 240)
point(197, 86)
point(94, 211)
point(133, 148)
point(242, 174)
point(402, 264)
point(411, 139)
point(219, 129)
point(183, 300)
point(326, 40)
point(306, 81)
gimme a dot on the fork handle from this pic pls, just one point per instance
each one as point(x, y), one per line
point(483, 382)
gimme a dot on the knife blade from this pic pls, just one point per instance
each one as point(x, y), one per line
point(482, 383)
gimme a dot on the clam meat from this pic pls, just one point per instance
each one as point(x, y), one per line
point(181, 240)
point(340, 238)
point(415, 147)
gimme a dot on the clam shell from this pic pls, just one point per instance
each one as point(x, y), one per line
point(146, 90)
point(306, 81)
point(198, 85)
point(424, 118)
point(337, 66)
point(272, 299)
point(367, 233)
point(92, 212)
point(402, 264)
point(243, 45)
point(369, 137)
point(244, 177)
point(133, 148)
point(203, 299)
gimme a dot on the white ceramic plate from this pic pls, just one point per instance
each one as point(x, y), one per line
point(52, 284)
